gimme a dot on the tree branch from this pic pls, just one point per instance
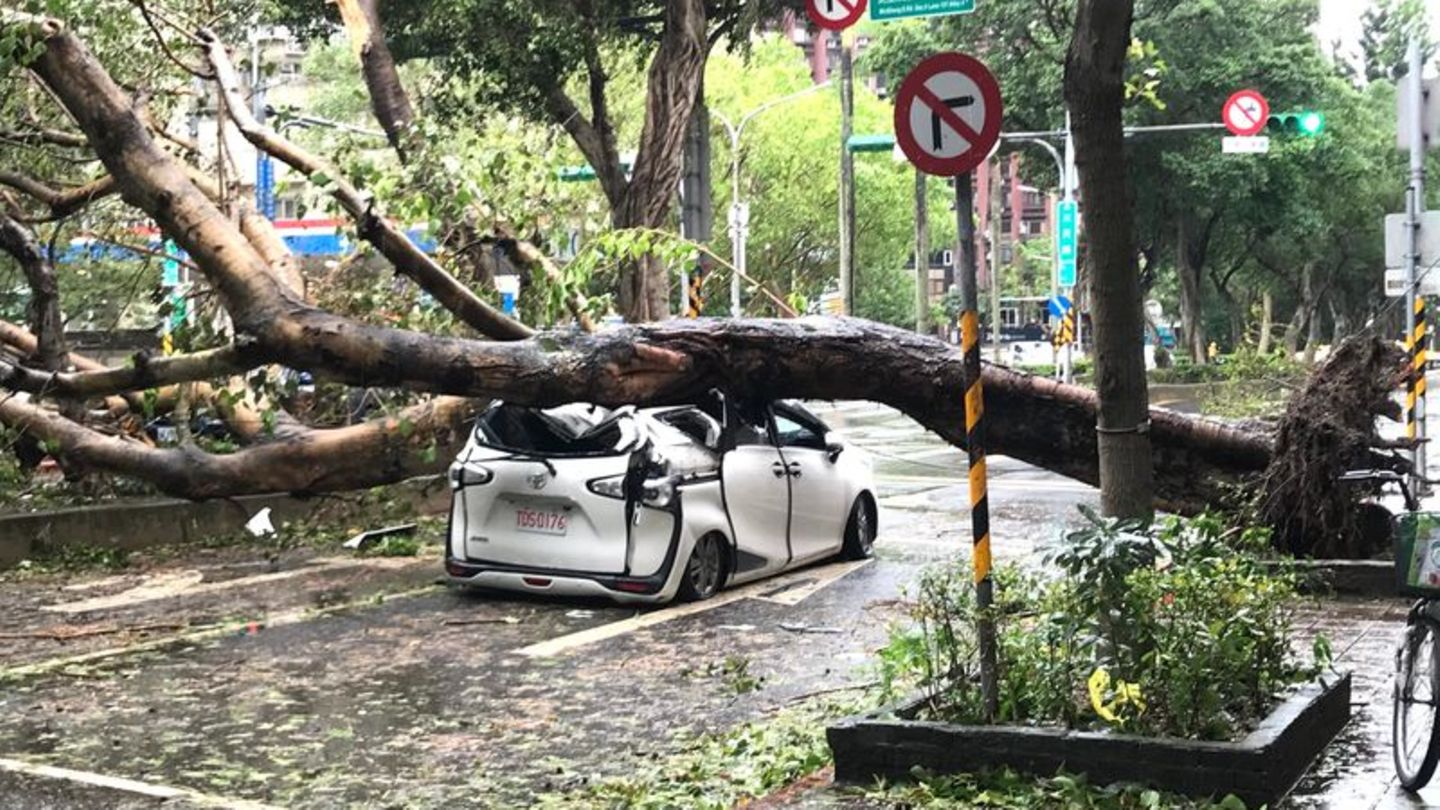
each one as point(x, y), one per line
point(372, 225)
point(387, 94)
point(44, 310)
point(147, 371)
point(61, 203)
point(375, 452)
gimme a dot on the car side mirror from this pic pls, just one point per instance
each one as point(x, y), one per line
point(833, 451)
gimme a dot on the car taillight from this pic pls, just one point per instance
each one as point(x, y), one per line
point(469, 475)
point(456, 569)
point(632, 585)
point(536, 582)
point(609, 487)
point(656, 492)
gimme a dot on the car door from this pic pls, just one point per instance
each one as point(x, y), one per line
point(756, 498)
point(818, 508)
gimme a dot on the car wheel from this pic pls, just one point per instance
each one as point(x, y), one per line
point(705, 572)
point(859, 531)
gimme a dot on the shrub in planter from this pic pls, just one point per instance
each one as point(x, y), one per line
point(1179, 628)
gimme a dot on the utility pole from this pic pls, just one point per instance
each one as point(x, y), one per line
point(997, 187)
point(922, 253)
point(847, 176)
point(1068, 181)
point(1414, 210)
point(965, 273)
point(695, 210)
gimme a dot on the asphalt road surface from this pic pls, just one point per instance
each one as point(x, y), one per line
point(319, 680)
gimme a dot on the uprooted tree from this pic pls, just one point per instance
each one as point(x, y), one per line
point(253, 278)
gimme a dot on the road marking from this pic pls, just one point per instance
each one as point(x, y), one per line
point(806, 582)
point(289, 617)
point(188, 583)
point(132, 786)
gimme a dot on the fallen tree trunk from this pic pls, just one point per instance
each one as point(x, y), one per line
point(1197, 463)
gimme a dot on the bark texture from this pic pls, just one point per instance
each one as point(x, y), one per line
point(387, 94)
point(1095, 94)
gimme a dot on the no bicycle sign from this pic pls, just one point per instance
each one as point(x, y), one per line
point(947, 114)
point(835, 15)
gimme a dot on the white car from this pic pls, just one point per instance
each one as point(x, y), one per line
point(647, 505)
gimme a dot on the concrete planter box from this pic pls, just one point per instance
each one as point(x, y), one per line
point(1373, 578)
point(134, 526)
point(1260, 769)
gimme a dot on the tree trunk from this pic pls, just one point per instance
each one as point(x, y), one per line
point(672, 87)
point(1095, 95)
point(43, 311)
point(1295, 329)
point(922, 253)
point(1190, 463)
point(1312, 335)
point(1191, 319)
point(387, 94)
point(1267, 322)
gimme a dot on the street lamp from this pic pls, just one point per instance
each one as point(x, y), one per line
point(739, 210)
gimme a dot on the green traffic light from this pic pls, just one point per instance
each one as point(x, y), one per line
point(1309, 123)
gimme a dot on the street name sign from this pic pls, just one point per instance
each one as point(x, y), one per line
point(1244, 144)
point(947, 114)
point(1395, 282)
point(1067, 239)
point(1397, 240)
point(1245, 113)
point(835, 15)
point(1429, 112)
point(883, 10)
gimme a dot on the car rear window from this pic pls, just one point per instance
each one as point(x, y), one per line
point(570, 430)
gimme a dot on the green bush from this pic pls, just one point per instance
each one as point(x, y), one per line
point(1244, 364)
point(1178, 628)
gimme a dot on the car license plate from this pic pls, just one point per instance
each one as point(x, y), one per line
point(541, 521)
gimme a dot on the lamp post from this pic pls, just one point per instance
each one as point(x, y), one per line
point(739, 209)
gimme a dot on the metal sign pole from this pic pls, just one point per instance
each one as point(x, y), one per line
point(1414, 206)
point(975, 437)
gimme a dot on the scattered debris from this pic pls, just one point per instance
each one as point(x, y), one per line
point(68, 632)
point(579, 613)
point(805, 628)
point(485, 620)
point(363, 540)
point(259, 524)
point(739, 628)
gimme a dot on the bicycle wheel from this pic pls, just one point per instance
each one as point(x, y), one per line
point(1415, 740)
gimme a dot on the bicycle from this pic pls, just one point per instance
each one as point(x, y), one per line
point(1415, 734)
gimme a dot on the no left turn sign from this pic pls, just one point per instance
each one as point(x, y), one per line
point(947, 114)
point(1245, 112)
point(835, 15)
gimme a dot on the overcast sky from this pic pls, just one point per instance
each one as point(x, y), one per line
point(1340, 19)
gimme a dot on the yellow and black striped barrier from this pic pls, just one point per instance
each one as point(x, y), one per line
point(1417, 343)
point(695, 299)
point(1065, 331)
point(975, 442)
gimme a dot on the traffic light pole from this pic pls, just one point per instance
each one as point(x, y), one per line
point(1414, 208)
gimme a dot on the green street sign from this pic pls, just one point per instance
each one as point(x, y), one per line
point(881, 10)
point(1067, 240)
point(870, 143)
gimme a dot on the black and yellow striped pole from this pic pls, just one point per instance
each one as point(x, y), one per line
point(1065, 331)
point(695, 299)
point(965, 273)
point(1418, 344)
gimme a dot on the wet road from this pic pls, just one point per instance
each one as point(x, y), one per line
point(323, 681)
